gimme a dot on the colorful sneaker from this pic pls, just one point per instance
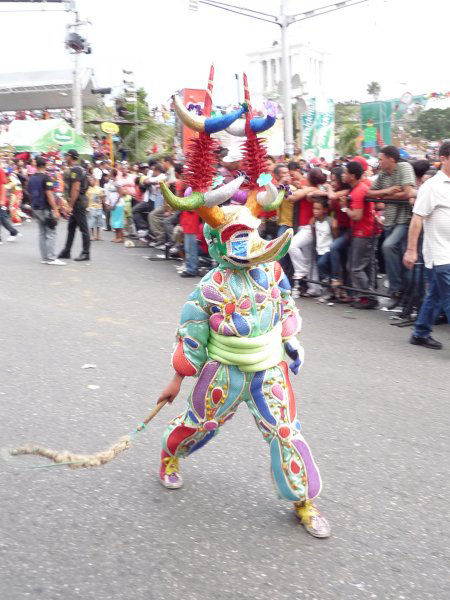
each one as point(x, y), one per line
point(169, 473)
point(311, 519)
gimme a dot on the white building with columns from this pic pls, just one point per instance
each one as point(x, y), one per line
point(306, 67)
point(315, 131)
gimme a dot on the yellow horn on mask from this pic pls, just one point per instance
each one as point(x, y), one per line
point(252, 203)
point(213, 215)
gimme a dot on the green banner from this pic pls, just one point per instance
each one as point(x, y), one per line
point(378, 119)
point(318, 129)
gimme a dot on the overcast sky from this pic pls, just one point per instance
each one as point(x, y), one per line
point(403, 44)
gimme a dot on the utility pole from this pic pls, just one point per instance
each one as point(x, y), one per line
point(131, 92)
point(284, 22)
point(77, 45)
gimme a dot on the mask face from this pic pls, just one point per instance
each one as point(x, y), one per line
point(239, 245)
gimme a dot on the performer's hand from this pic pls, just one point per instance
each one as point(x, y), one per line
point(172, 390)
point(296, 353)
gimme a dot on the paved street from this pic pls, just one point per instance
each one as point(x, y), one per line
point(374, 409)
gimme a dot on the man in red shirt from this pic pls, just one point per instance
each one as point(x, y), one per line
point(361, 215)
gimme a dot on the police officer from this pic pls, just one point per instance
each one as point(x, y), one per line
point(77, 185)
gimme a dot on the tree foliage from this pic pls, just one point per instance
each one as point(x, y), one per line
point(347, 127)
point(147, 132)
point(374, 89)
point(434, 124)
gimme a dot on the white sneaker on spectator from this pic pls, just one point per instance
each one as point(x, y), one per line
point(44, 262)
point(141, 232)
point(13, 238)
point(58, 262)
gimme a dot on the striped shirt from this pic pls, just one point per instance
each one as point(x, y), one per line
point(403, 174)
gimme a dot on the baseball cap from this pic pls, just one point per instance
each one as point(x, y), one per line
point(362, 161)
point(73, 153)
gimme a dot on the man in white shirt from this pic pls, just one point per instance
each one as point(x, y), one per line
point(432, 211)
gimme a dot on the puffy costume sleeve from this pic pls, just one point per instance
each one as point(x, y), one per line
point(291, 320)
point(192, 336)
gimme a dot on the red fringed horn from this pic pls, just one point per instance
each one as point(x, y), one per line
point(200, 163)
point(254, 151)
point(254, 160)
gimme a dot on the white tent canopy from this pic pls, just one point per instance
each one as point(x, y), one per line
point(42, 89)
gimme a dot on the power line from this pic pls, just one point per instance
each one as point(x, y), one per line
point(225, 4)
point(31, 10)
point(245, 14)
point(316, 12)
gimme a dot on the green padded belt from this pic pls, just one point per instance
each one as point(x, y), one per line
point(249, 354)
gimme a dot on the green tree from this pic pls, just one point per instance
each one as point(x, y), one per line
point(347, 127)
point(374, 89)
point(148, 130)
point(434, 124)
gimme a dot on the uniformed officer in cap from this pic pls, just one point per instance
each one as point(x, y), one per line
point(77, 185)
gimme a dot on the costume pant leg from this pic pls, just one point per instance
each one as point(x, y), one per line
point(217, 393)
point(272, 403)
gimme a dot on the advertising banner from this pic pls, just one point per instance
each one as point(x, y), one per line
point(194, 100)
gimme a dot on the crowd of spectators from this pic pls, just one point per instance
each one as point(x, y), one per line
point(350, 217)
point(6, 117)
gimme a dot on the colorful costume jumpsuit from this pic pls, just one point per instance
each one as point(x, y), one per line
point(253, 309)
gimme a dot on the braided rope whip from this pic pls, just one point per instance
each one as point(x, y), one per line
point(77, 461)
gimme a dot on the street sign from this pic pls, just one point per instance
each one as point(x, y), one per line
point(110, 128)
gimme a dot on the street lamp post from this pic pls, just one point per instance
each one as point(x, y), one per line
point(131, 92)
point(283, 20)
point(78, 45)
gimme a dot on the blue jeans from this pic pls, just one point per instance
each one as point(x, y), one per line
point(394, 247)
point(4, 220)
point(324, 265)
point(437, 298)
point(338, 251)
point(191, 252)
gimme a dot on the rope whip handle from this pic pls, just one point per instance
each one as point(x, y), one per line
point(150, 416)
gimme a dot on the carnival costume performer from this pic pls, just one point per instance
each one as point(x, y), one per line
point(239, 324)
